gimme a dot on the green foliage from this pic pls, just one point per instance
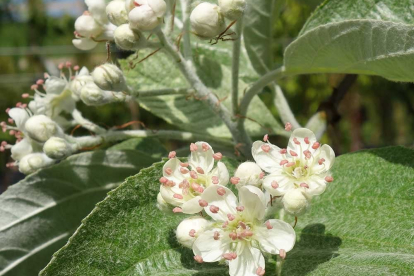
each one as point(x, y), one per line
point(39, 214)
point(187, 111)
point(351, 229)
point(356, 37)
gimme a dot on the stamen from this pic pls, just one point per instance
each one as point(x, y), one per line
point(178, 196)
point(234, 180)
point(205, 147)
point(177, 210)
point(316, 145)
point(283, 151)
point(7, 110)
point(192, 233)
point(195, 186)
point(214, 209)
point(221, 191)
point(269, 225)
point(76, 67)
point(261, 175)
point(215, 179)
point(260, 271)
point(290, 164)
point(217, 156)
point(329, 178)
point(200, 170)
point(306, 140)
point(282, 254)
point(274, 184)
point(321, 161)
point(242, 225)
point(193, 147)
point(184, 170)
point(293, 153)
point(203, 203)
point(193, 175)
point(10, 120)
point(265, 148)
point(197, 258)
point(307, 154)
point(163, 180)
point(295, 140)
point(233, 236)
point(170, 183)
point(229, 256)
point(240, 208)
point(25, 95)
point(225, 224)
point(168, 171)
point(288, 126)
point(231, 217)
point(61, 65)
point(283, 162)
point(304, 185)
point(172, 154)
point(185, 165)
point(266, 138)
point(216, 235)
point(40, 82)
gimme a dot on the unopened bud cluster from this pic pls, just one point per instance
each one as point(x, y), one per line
point(237, 231)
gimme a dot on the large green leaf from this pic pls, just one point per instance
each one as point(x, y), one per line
point(258, 23)
point(189, 113)
point(373, 37)
point(362, 226)
point(40, 213)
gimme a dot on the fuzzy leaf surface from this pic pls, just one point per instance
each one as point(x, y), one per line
point(362, 226)
point(373, 37)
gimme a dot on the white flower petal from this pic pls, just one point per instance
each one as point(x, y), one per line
point(281, 236)
point(317, 185)
point(247, 262)
point(208, 248)
point(284, 183)
point(21, 149)
point(222, 173)
point(192, 206)
point(227, 203)
point(167, 194)
point(201, 158)
point(20, 116)
point(97, 8)
point(84, 44)
point(55, 85)
point(268, 161)
point(254, 202)
point(176, 175)
point(327, 153)
point(300, 134)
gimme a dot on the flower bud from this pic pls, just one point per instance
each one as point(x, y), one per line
point(162, 204)
point(232, 9)
point(189, 229)
point(86, 26)
point(144, 18)
point(84, 44)
point(57, 148)
point(249, 174)
point(97, 9)
point(128, 39)
point(32, 162)
point(54, 85)
point(296, 202)
point(79, 82)
point(40, 128)
point(109, 77)
point(158, 6)
point(116, 12)
point(91, 94)
point(207, 21)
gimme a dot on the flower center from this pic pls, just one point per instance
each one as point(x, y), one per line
point(194, 187)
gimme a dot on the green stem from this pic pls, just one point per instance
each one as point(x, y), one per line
point(236, 67)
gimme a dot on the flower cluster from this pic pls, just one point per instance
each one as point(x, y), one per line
point(239, 231)
point(39, 126)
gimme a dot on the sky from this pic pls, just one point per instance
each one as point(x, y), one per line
point(54, 7)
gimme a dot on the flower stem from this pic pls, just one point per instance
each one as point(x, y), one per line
point(161, 92)
point(77, 116)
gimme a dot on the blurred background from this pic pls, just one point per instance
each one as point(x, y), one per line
point(36, 35)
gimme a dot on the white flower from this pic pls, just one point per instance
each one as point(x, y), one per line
point(34, 161)
point(232, 9)
point(109, 77)
point(189, 229)
point(147, 15)
point(183, 183)
point(240, 234)
point(248, 173)
point(304, 165)
point(25, 145)
point(207, 21)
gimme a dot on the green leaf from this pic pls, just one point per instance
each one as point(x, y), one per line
point(258, 23)
point(356, 37)
point(40, 213)
point(362, 226)
point(190, 113)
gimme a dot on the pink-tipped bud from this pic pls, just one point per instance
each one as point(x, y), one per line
point(266, 138)
point(221, 191)
point(282, 254)
point(260, 271)
point(265, 148)
point(178, 196)
point(215, 179)
point(184, 165)
point(193, 175)
point(192, 233)
point(288, 126)
point(216, 235)
point(200, 170)
point(293, 153)
point(304, 185)
point(205, 147)
point(193, 147)
point(240, 208)
point(203, 203)
point(290, 164)
point(172, 154)
point(306, 140)
point(168, 171)
point(214, 209)
point(295, 140)
point(274, 184)
point(307, 154)
point(40, 82)
point(321, 161)
point(76, 67)
point(197, 258)
point(268, 225)
point(184, 170)
point(25, 95)
point(163, 180)
point(33, 87)
point(261, 175)
point(217, 156)
point(283, 162)
point(177, 210)
point(231, 217)
point(316, 145)
point(329, 178)
point(234, 180)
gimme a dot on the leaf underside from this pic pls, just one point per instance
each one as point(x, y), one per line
point(362, 225)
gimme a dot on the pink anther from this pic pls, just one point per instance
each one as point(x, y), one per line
point(231, 217)
point(316, 145)
point(265, 148)
point(260, 271)
point(177, 210)
point(261, 175)
point(216, 235)
point(163, 180)
point(214, 209)
point(240, 208)
point(76, 67)
point(293, 153)
point(225, 224)
point(7, 110)
point(192, 233)
point(290, 164)
point(228, 256)
point(40, 82)
point(321, 161)
point(193, 147)
point(215, 179)
point(172, 154)
point(242, 225)
point(283, 151)
point(168, 171)
point(61, 65)
point(200, 170)
point(25, 95)
point(282, 253)
point(329, 178)
point(217, 156)
point(307, 154)
point(33, 87)
point(10, 120)
point(274, 184)
point(234, 180)
point(295, 140)
point(68, 64)
point(205, 147)
point(266, 138)
point(197, 258)
point(184, 165)
point(268, 225)
point(203, 203)
point(221, 191)
point(306, 140)
point(288, 126)
point(283, 162)
point(193, 175)
point(184, 170)
point(178, 196)
point(304, 185)
point(233, 236)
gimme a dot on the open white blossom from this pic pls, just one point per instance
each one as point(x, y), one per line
point(183, 184)
point(304, 165)
point(240, 234)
